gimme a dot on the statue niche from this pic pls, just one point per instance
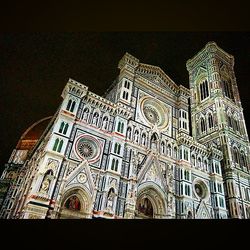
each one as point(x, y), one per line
point(154, 142)
point(46, 182)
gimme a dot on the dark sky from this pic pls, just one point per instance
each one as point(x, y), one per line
point(34, 68)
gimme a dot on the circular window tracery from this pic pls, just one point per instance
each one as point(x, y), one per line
point(87, 147)
point(154, 112)
point(151, 114)
point(200, 189)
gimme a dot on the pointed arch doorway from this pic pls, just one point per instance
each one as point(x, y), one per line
point(76, 204)
point(151, 203)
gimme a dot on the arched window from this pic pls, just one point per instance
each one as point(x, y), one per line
point(127, 84)
point(120, 127)
point(243, 161)
point(69, 104)
point(162, 147)
point(180, 153)
point(204, 93)
point(113, 164)
point(125, 95)
point(199, 162)
point(202, 125)
point(186, 175)
point(117, 148)
point(73, 106)
point(175, 152)
point(227, 88)
point(185, 155)
point(58, 145)
point(236, 156)
point(116, 165)
point(193, 160)
point(205, 165)
point(65, 128)
point(169, 150)
point(210, 121)
point(61, 127)
point(236, 125)
point(229, 119)
point(55, 144)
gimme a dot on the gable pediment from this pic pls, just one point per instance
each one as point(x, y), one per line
point(157, 76)
point(81, 176)
point(151, 171)
point(203, 212)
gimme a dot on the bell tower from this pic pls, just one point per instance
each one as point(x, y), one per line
point(218, 120)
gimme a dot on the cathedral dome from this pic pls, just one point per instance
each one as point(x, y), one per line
point(32, 134)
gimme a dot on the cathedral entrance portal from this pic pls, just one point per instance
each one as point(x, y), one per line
point(150, 203)
point(76, 204)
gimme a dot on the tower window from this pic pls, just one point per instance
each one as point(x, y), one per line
point(127, 84)
point(210, 121)
point(227, 88)
point(203, 125)
point(125, 95)
point(204, 93)
point(229, 121)
point(71, 105)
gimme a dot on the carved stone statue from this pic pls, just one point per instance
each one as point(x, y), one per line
point(135, 163)
point(45, 185)
point(170, 178)
point(111, 196)
point(170, 203)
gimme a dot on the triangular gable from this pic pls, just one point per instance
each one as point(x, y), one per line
point(203, 212)
point(151, 171)
point(157, 76)
point(81, 176)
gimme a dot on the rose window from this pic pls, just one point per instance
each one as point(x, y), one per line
point(87, 147)
point(201, 189)
point(151, 114)
point(154, 112)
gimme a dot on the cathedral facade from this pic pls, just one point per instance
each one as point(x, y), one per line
point(148, 148)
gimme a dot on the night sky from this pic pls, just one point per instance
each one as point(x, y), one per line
point(34, 68)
